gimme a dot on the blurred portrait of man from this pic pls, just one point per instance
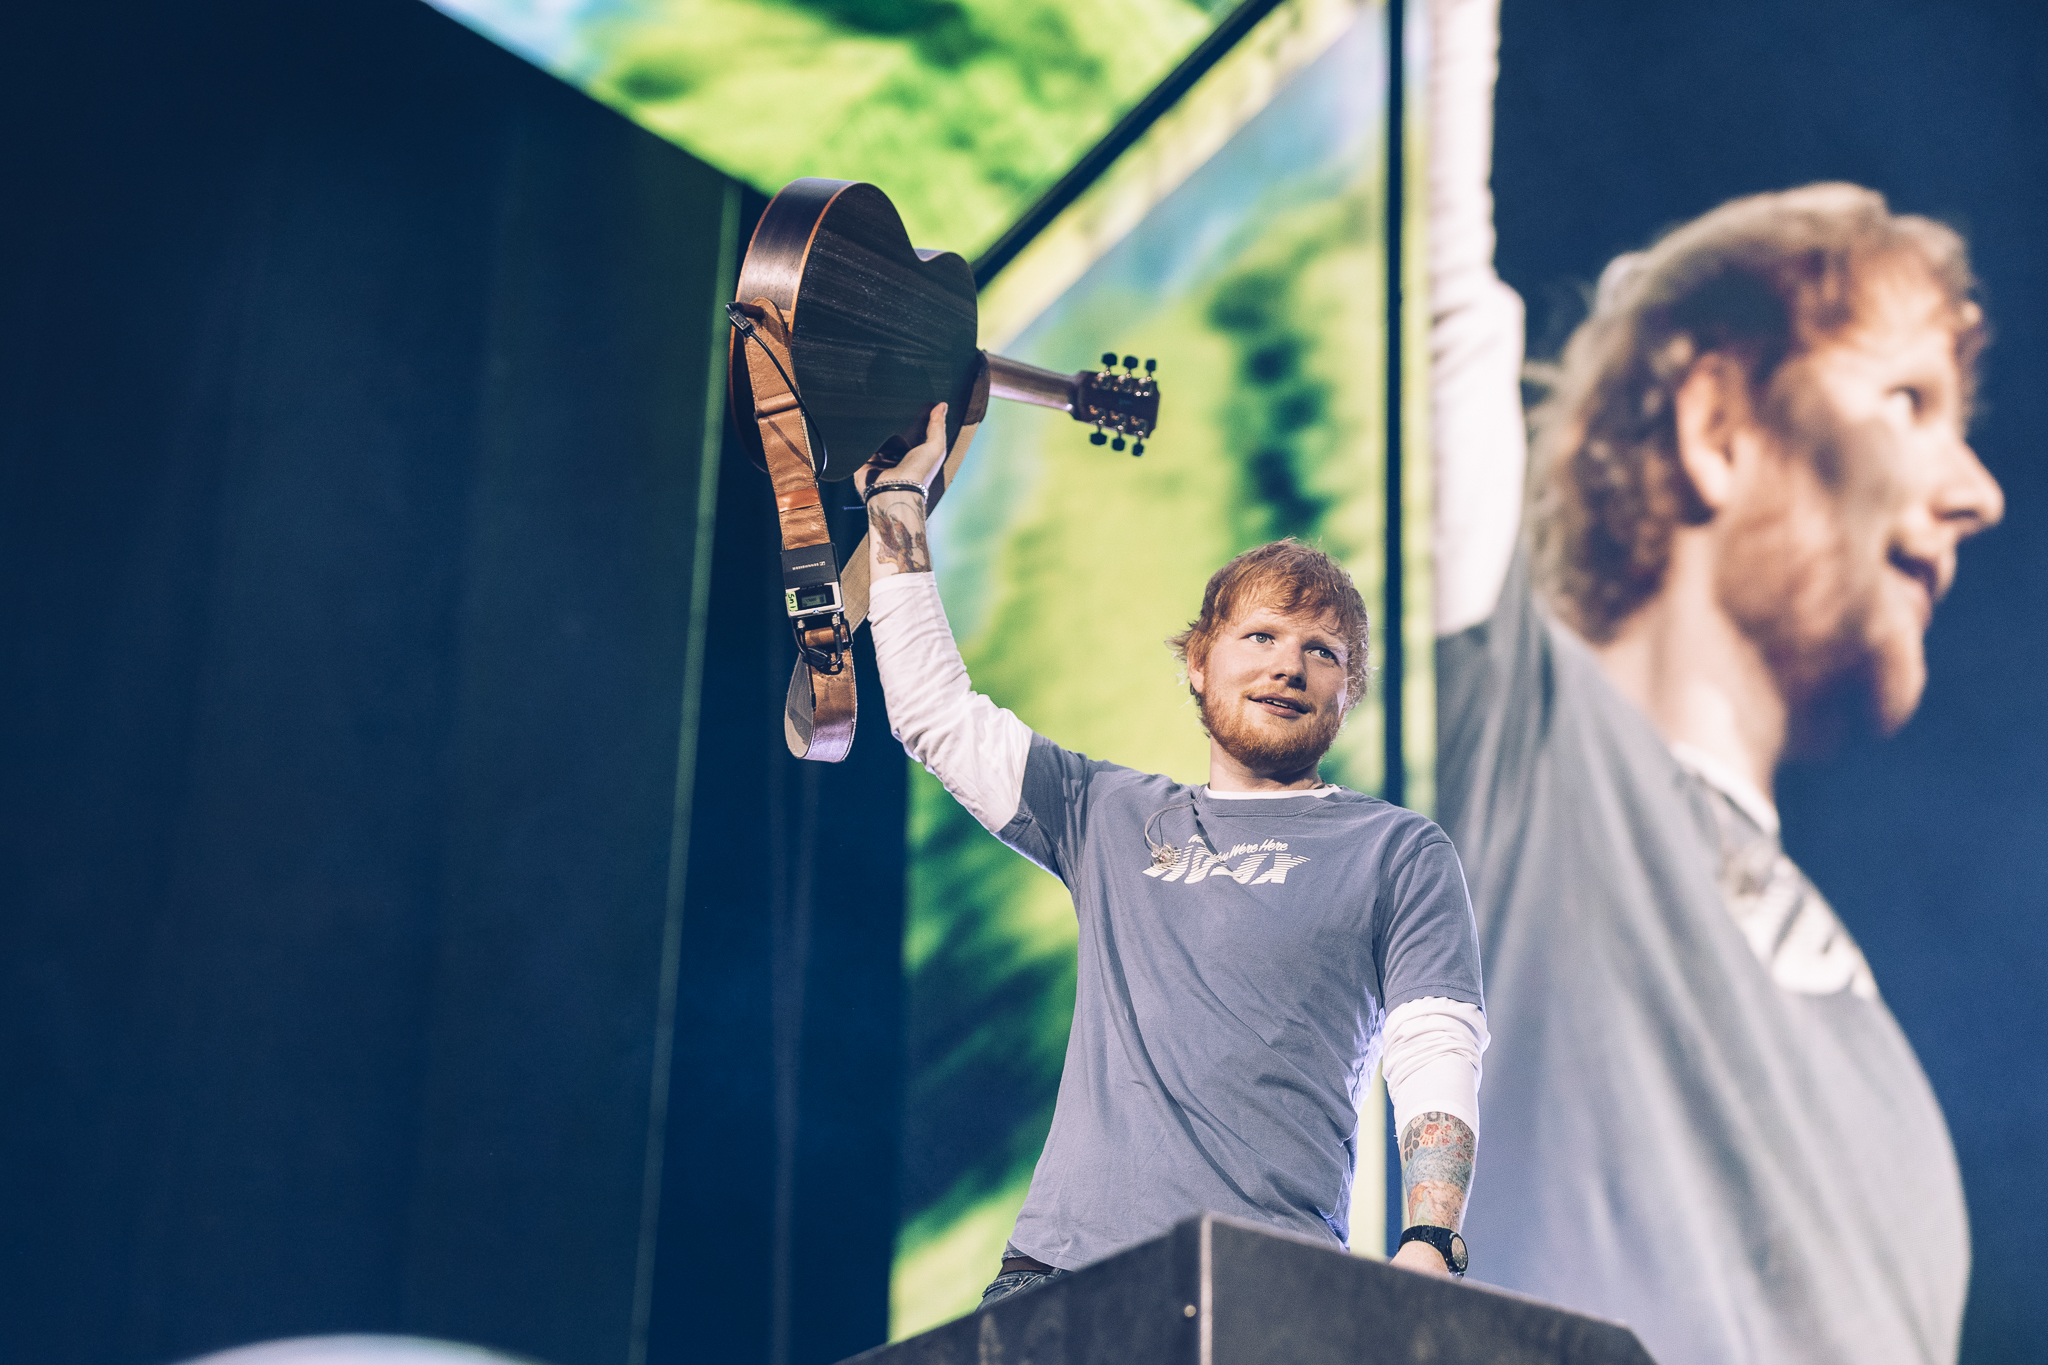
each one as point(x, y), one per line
point(1746, 485)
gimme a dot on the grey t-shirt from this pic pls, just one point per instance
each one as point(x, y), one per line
point(1229, 998)
point(1700, 1117)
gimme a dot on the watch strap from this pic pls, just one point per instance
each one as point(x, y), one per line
point(1448, 1244)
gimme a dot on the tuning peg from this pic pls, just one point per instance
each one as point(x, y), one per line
point(1130, 362)
point(1151, 365)
point(1097, 439)
point(1117, 444)
point(1137, 449)
point(1108, 359)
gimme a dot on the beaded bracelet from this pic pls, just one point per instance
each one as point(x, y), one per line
point(898, 486)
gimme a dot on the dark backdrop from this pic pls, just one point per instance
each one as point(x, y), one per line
point(366, 561)
point(1617, 119)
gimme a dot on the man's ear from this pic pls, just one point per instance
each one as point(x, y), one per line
point(1197, 665)
point(1712, 414)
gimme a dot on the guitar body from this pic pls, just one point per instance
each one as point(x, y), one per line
point(879, 331)
point(844, 336)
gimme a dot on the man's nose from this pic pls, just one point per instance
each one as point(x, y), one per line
point(1968, 499)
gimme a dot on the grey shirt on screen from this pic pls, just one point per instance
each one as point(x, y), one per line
point(1229, 997)
point(1701, 1117)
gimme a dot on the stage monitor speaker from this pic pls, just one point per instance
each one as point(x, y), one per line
point(1218, 1292)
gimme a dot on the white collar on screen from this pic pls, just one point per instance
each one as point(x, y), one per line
point(1729, 783)
point(1323, 790)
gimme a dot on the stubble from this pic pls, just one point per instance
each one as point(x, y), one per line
point(1805, 581)
point(1264, 749)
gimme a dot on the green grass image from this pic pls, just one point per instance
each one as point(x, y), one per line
point(965, 110)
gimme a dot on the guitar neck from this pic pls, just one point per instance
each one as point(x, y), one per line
point(1021, 383)
point(1126, 403)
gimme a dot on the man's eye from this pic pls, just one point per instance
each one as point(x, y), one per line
point(1912, 399)
point(1325, 651)
point(1260, 637)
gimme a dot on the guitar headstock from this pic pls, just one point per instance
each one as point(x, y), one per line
point(1125, 402)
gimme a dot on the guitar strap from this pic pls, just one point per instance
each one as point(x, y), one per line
point(822, 686)
point(819, 711)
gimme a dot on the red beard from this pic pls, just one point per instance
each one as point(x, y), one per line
point(1269, 749)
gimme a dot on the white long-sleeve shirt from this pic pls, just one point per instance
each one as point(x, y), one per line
point(1475, 335)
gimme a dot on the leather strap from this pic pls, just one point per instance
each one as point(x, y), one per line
point(1013, 1264)
point(822, 706)
point(798, 723)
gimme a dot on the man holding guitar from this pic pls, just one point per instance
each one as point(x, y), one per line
point(1248, 948)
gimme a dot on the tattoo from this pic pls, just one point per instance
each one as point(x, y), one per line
point(1436, 1169)
point(898, 526)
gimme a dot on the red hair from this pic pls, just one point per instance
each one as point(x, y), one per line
point(1761, 279)
point(1289, 577)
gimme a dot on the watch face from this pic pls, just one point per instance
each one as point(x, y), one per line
point(1457, 1260)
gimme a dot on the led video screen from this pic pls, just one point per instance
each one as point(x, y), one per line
point(964, 110)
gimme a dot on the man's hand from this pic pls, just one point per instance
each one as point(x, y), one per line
point(1422, 1258)
point(917, 466)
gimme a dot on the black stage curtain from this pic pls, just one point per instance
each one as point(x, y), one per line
point(353, 416)
point(1617, 119)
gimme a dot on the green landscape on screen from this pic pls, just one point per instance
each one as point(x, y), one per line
point(963, 110)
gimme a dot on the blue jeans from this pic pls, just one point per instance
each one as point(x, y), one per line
point(1016, 1282)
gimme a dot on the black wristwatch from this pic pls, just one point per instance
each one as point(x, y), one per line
point(1448, 1244)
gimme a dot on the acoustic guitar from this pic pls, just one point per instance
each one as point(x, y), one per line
point(844, 335)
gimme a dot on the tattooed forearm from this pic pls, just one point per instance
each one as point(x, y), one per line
point(1436, 1169)
point(896, 523)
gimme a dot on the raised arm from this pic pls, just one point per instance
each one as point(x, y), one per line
point(1475, 330)
point(974, 747)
